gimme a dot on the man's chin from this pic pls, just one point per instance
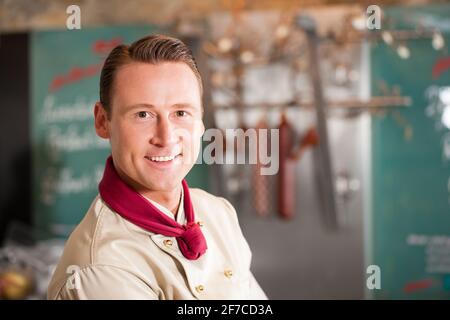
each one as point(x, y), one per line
point(165, 184)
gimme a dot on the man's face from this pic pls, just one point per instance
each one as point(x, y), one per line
point(156, 124)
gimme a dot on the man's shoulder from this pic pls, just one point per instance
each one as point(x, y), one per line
point(97, 241)
point(100, 227)
point(204, 198)
point(216, 207)
point(198, 194)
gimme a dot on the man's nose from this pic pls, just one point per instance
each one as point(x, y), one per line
point(164, 134)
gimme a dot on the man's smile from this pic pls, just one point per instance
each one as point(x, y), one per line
point(161, 158)
point(163, 162)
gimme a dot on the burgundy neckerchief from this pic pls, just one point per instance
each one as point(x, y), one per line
point(132, 206)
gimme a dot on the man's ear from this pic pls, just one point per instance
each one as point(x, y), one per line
point(101, 121)
point(203, 128)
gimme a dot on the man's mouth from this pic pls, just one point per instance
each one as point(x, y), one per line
point(162, 158)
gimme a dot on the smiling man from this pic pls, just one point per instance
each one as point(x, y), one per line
point(147, 235)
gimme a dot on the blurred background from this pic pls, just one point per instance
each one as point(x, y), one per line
point(360, 93)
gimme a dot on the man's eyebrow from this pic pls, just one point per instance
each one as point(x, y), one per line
point(139, 105)
point(150, 106)
point(184, 105)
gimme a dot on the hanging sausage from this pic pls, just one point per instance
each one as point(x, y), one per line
point(286, 174)
point(288, 160)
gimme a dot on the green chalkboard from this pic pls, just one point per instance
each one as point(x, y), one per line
point(410, 221)
point(68, 157)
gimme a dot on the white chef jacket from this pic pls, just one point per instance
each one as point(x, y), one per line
point(108, 257)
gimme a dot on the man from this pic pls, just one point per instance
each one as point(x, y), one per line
point(147, 235)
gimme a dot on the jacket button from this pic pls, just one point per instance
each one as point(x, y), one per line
point(199, 288)
point(228, 273)
point(168, 242)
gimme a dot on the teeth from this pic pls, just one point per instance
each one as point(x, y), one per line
point(160, 159)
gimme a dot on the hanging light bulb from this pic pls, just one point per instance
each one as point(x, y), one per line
point(387, 37)
point(438, 41)
point(247, 56)
point(359, 22)
point(403, 51)
point(225, 44)
point(282, 31)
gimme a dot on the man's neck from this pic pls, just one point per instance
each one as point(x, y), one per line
point(167, 199)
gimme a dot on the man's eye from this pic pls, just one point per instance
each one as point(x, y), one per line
point(181, 113)
point(142, 114)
